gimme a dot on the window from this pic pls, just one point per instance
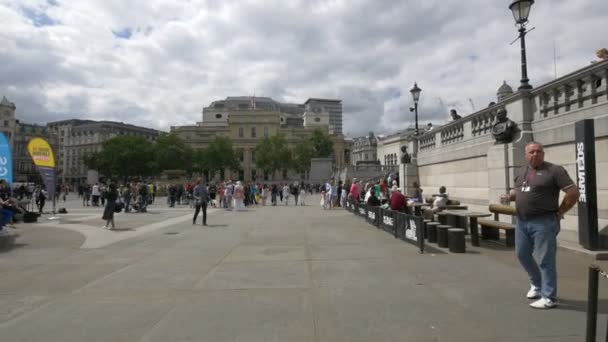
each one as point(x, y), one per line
point(253, 132)
point(5, 123)
point(241, 132)
point(253, 175)
point(317, 119)
point(240, 154)
point(266, 133)
point(365, 157)
point(218, 116)
point(253, 155)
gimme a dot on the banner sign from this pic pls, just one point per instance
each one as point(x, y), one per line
point(6, 160)
point(372, 215)
point(42, 156)
point(586, 182)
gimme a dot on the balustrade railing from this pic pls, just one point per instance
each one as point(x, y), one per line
point(427, 142)
point(452, 134)
point(579, 90)
point(582, 88)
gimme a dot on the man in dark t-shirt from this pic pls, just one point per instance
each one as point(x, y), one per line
point(536, 195)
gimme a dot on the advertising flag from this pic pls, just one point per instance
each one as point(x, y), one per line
point(6, 160)
point(42, 156)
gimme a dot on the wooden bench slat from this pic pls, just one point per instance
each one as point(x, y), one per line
point(496, 224)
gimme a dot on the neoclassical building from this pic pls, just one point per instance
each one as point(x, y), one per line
point(8, 121)
point(76, 138)
point(245, 120)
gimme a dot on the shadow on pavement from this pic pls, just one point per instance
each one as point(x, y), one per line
point(581, 305)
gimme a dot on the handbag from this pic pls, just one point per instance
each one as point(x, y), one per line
point(118, 207)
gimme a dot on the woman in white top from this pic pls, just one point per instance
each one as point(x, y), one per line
point(286, 193)
point(239, 196)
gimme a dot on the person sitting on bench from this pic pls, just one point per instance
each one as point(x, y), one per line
point(440, 200)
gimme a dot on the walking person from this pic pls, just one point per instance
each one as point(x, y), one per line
point(536, 196)
point(228, 193)
point(201, 198)
point(86, 195)
point(41, 200)
point(126, 197)
point(111, 195)
point(239, 196)
point(264, 194)
point(273, 194)
point(286, 194)
point(95, 194)
point(302, 195)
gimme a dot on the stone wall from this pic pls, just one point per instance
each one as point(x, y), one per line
point(464, 157)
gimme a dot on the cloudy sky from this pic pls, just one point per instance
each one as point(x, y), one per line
point(156, 63)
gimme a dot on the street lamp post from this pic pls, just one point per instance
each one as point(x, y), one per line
point(521, 11)
point(416, 96)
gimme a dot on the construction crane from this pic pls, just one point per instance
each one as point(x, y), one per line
point(472, 105)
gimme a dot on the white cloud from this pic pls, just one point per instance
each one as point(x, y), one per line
point(61, 59)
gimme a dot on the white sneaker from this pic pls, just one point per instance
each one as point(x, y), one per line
point(534, 293)
point(543, 303)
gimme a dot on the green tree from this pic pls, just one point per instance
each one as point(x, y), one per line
point(219, 156)
point(323, 146)
point(91, 160)
point(302, 154)
point(272, 154)
point(125, 156)
point(171, 153)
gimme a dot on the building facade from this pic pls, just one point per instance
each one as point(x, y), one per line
point(365, 150)
point(332, 107)
point(77, 138)
point(245, 120)
point(8, 121)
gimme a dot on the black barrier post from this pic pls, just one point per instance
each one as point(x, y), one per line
point(585, 170)
point(592, 296)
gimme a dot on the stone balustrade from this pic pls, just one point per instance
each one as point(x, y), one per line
point(469, 127)
point(578, 90)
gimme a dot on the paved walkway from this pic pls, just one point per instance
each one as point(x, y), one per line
point(267, 274)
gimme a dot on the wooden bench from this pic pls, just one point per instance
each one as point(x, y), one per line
point(490, 229)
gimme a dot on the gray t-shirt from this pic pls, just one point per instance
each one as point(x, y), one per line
point(538, 189)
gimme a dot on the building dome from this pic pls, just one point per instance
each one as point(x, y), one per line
point(504, 91)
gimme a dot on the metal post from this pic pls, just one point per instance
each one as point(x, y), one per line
point(592, 294)
point(416, 117)
point(524, 67)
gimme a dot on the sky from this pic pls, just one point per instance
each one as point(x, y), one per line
point(157, 63)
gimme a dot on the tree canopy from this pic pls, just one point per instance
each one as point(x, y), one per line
point(272, 154)
point(323, 146)
point(171, 153)
point(123, 156)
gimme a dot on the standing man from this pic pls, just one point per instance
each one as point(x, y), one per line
point(536, 195)
point(201, 198)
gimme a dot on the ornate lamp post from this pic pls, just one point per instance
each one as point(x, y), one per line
point(521, 10)
point(415, 96)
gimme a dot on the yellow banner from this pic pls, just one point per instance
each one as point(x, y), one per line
point(41, 152)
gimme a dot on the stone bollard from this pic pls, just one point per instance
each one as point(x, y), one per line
point(456, 241)
point(431, 230)
point(442, 235)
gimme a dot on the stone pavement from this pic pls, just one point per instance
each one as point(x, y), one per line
point(267, 274)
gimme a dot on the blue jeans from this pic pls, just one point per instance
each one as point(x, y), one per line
point(539, 236)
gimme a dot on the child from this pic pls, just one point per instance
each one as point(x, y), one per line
point(323, 204)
